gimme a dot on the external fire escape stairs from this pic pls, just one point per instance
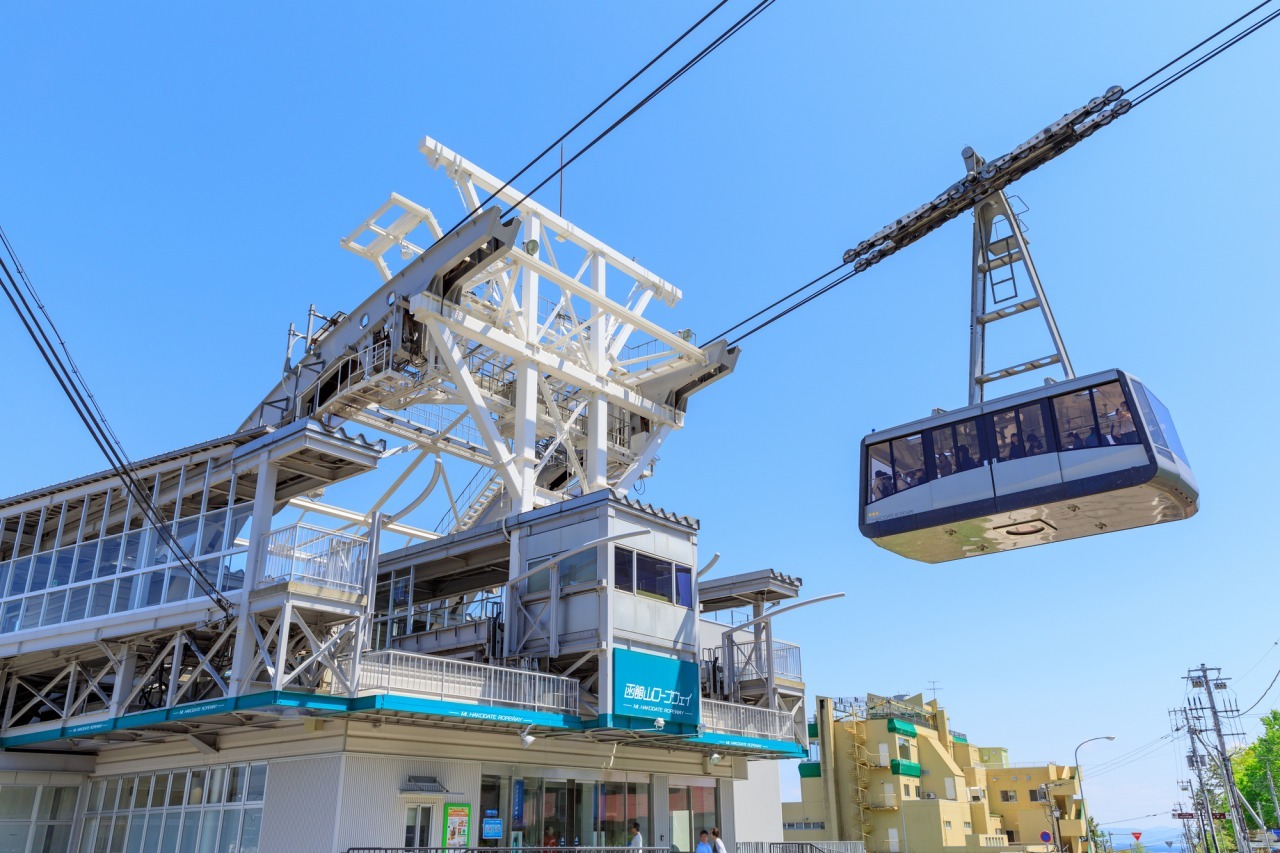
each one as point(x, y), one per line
point(860, 776)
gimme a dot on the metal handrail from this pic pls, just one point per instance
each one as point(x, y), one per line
point(394, 671)
point(555, 849)
point(747, 720)
point(307, 554)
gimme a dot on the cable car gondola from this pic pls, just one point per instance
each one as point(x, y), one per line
point(1089, 455)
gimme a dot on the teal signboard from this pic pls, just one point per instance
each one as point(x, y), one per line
point(655, 687)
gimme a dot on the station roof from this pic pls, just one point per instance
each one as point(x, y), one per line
point(762, 586)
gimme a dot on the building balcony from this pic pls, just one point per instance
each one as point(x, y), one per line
point(1071, 829)
point(301, 553)
point(748, 721)
point(463, 682)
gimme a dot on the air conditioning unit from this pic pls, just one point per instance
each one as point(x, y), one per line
point(931, 796)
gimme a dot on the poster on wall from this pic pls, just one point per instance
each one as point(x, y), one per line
point(457, 825)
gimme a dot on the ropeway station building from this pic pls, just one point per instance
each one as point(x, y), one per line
point(209, 652)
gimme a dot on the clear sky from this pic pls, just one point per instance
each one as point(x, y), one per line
point(176, 182)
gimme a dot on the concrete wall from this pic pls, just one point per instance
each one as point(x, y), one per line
point(757, 804)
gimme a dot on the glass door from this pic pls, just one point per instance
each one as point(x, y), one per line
point(417, 826)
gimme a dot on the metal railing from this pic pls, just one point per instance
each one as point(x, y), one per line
point(313, 555)
point(451, 611)
point(747, 720)
point(748, 659)
point(391, 671)
point(817, 847)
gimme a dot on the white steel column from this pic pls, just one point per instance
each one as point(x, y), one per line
point(525, 416)
point(264, 498)
point(596, 449)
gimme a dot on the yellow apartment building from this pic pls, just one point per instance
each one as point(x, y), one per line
point(890, 772)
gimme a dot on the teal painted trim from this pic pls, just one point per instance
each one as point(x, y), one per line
point(786, 748)
point(289, 699)
point(959, 738)
point(639, 724)
point(810, 769)
point(436, 707)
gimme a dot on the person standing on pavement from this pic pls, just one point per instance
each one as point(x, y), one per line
point(717, 845)
point(637, 840)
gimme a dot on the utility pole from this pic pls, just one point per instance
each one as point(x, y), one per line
point(1207, 815)
point(1228, 775)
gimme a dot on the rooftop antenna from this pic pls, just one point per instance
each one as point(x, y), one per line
point(934, 688)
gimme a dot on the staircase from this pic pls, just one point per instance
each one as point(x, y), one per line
point(478, 497)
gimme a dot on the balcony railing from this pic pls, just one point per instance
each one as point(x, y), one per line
point(747, 720)
point(304, 554)
point(749, 656)
point(412, 674)
point(309, 555)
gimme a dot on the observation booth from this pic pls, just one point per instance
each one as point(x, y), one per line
point(1089, 455)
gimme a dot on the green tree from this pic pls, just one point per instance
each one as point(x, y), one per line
point(1250, 767)
point(1097, 837)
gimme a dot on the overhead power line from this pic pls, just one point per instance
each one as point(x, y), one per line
point(880, 248)
point(87, 409)
point(580, 122)
point(1260, 698)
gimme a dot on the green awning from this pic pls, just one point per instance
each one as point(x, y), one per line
point(810, 769)
point(959, 738)
point(902, 728)
point(899, 767)
point(813, 731)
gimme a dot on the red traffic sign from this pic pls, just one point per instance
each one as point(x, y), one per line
point(1137, 836)
point(1046, 837)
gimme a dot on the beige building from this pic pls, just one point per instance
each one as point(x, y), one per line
point(891, 773)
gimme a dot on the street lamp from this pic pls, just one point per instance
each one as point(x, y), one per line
point(1084, 806)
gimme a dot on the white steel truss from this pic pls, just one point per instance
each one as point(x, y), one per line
point(501, 343)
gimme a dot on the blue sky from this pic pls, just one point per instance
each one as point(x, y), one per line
point(176, 183)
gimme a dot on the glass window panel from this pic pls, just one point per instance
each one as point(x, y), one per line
point(57, 803)
point(653, 577)
point(230, 829)
point(64, 563)
point(109, 793)
point(19, 575)
point(128, 786)
point(42, 565)
point(86, 560)
point(250, 831)
point(88, 834)
point(257, 783)
point(9, 617)
point(137, 825)
point(681, 812)
point(177, 788)
point(623, 564)
point(1114, 417)
point(236, 778)
point(188, 530)
point(180, 585)
point(944, 451)
point(232, 577)
point(209, 571)
point(118, 834)
point(879, 472)
point(169, 835)
point(195, 793)
point(1031, 429)
point(32, 605)
point(1008, 441)
point(94, 804)
point(151, 841)
point(240, 516)
point(77, 602)
point(214, 532)
point(702, 801)
point(1074, 416)
point(109, 556)
point(131, 551)
point(217, 782)
point(142, 792)
point(684, 586)
point(190, 831)
point(124, 594)
point(578, 568)
point(152, 589)
point(56, 603)
point(968, 446)
point(17, 801)
point(52, 838)
point(4, 576)
point(209, 831)
point(101, 603)
point(639, 809)
point(908, 462)
point(159, 790)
